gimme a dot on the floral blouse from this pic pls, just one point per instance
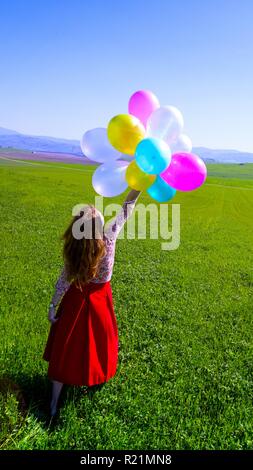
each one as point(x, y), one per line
point(104, 274)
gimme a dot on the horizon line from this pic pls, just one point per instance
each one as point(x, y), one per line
point(78, 141)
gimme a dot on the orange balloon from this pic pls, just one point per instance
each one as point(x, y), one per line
point(125, 132)
point(137, 179)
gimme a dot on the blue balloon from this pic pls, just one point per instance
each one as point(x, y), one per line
point(161, 191)
point(152, 155)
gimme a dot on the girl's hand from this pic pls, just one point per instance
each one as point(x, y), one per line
point(51, 315)
point(132, 195)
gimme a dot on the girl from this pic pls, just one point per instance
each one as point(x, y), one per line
point(82, 346)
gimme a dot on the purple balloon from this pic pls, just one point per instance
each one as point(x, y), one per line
point(142, 104)
point(186, 172)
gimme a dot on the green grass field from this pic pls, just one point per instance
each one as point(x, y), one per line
point(185, 319)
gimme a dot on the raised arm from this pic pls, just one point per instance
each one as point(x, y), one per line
point(115, 227)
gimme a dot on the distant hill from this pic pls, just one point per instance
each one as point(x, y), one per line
point(7, 132)
point(10, 138)
point(223, 156)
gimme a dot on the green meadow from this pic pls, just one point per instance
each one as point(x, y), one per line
point(185, 319)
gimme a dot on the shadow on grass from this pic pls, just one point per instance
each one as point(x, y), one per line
point(34, 395)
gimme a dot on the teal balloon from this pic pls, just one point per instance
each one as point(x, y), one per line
point(161, 191)
point(152, 155)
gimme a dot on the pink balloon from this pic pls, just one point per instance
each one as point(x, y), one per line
point(142, 104)
point(186, 172)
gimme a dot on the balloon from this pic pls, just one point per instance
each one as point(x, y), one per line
point(152, 156)
point(161, 191)
point(182, 144)
point(137, 179)
point(96, 146)
point(142, 104)
point(165, 123)
point(109, 180)
point(186, 172)
point(125, 132)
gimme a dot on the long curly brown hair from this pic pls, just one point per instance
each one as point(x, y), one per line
point(82, 255)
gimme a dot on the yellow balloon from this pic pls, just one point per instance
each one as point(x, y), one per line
point(137, 179)
point(125, 132)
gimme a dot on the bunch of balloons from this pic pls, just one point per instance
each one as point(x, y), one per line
point(146, 150)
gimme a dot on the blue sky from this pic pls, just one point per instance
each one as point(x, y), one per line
point(70, 65)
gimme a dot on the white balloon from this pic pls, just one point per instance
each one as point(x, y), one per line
point(96, 146)
point(182, 144)
point(109, 180)
point(165, 123)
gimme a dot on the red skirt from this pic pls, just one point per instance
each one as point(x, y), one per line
point(82, 346)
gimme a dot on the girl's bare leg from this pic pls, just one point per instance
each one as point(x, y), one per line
point(56, 390)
